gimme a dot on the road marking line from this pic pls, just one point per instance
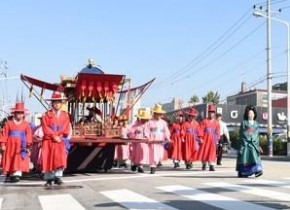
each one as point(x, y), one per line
point(130, 176)
point(268, 182)
point(132, 200)
point(1, 201)
point(64, 201)
point(136, 176)
point(212, 199)
point(252, 190)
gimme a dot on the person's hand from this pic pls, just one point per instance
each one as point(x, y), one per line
point(3, 148)
point(200, 141)
point(56, 139)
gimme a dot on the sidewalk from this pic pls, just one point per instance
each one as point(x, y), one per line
point(263, 157)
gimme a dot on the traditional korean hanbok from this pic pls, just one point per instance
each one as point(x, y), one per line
point(248, 159)
point(16, 138)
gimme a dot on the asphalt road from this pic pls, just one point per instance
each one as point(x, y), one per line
point(167, 189)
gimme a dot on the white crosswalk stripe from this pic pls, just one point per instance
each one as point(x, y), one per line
point(132, 200)
point(212, 199)
point(250, 190)
point(63, 201)
point(179, 196)
point(268, 182)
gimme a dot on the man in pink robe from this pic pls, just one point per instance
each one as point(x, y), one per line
point(122, 151)
point(139, 153)
point(156, 129)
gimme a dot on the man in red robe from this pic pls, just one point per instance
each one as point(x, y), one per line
point(190, 132)
point(175, 150)
point(15, 139)
point(55, 143)
point(210, 133)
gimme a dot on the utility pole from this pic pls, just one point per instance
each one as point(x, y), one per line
point(269, 79)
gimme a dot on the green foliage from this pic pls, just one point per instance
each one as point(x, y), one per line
point(194, 99)
point(234, 136)
point(211, 97)
point(264, 144)
point(279, 146)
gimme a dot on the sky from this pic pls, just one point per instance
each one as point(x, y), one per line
point(191, 47)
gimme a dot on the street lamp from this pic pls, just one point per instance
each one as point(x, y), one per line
point(258, 14)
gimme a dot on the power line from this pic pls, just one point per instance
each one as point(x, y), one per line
point(211, 48)
point(272, 2)
point(223, 74)
point(178, 79)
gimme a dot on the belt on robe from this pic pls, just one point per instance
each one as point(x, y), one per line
point(213, 131)
point(22, 136)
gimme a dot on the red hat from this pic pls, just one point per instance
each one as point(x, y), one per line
point(211, 108)
point(192, 112)
point(19, 107)
point(57, 96)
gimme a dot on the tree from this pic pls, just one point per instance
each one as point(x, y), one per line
point(211, 97)
point(194, 99)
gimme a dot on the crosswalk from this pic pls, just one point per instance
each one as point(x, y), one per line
point(245, 194)
point(64, 201)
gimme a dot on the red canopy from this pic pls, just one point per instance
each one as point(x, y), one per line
point(97, 87)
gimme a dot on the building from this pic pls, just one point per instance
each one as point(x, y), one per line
point(175, 104)
point(233, 115)
point(255, 97)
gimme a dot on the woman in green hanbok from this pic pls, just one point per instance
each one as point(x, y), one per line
point(248, 159)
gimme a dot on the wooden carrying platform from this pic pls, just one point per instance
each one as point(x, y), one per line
point(91, 155)
point(93, 147)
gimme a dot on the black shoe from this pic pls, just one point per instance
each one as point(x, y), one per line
point(159, 164)
point(188, 166)
point(15, 179)
point(153, 170)
point(123, 165)
point(58, 181)
point(140, 170)
point(203, 167)
point(260, 173)
point(219, 163)
point(241, 176)
point(48, 183)
point(211, 168)
point(176, 165)
point(133, 168)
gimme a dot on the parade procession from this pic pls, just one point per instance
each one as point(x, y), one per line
point(84, 130)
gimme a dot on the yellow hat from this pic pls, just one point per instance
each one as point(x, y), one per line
point(145, 115)
point(140, 112)
point(158, 109)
